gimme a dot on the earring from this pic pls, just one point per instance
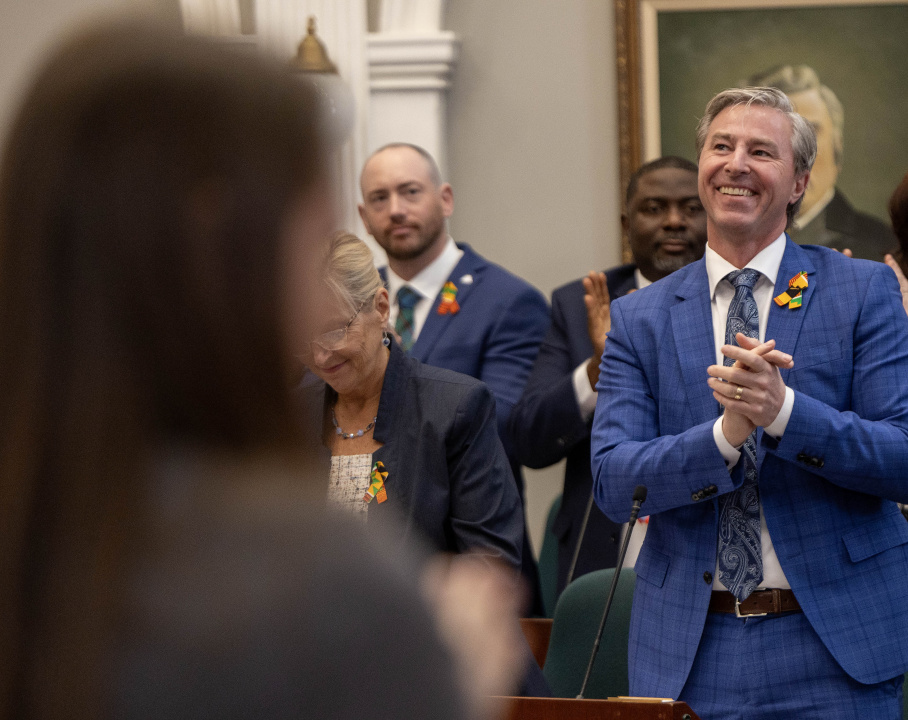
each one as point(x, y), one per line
point(386, 339)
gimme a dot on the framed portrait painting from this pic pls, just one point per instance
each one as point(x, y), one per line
point(674, 55)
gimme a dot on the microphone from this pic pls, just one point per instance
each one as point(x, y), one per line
point(639, 498)
point(586, 519)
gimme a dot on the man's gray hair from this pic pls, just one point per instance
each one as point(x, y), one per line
point(803, 136)
point(792, 79)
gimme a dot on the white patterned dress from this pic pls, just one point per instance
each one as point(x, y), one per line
point(348, 482)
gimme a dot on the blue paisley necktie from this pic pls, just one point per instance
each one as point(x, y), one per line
point(407, 298)
point(740, 558)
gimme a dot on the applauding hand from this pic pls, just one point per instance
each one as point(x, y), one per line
point(598, 320)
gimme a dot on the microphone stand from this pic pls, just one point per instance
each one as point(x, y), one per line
point(639, 498)
point(586, 519)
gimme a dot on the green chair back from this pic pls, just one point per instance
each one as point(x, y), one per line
point(577, 618)
point(548, 561)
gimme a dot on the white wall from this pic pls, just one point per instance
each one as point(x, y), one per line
point(533, 148)
point(29, 27)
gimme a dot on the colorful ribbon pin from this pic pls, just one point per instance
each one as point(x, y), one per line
point(794, 295)
point(448, 304)
point(377, 487)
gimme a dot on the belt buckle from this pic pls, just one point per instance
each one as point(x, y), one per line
point(738, 611)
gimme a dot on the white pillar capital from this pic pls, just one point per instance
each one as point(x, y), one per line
point(411, 61)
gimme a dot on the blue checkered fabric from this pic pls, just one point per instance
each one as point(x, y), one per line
point(788, 674)
point(828, 488)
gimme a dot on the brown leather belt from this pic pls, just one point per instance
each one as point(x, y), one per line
point(759, 602)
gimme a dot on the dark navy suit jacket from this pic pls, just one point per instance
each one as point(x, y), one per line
point(828, 488)
point(840, 225)
point(546, 426)
point(495, 335)
point(448, 480)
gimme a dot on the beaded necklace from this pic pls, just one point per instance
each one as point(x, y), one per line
point(351, 436)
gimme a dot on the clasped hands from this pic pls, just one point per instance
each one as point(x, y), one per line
point(751, 391)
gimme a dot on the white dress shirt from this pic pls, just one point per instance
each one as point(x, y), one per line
point(428, 282)
point(586, 401)
point(767, 262)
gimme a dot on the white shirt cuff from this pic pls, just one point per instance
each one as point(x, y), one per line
point(777, 427)
point(729, 451)
point(586, 396)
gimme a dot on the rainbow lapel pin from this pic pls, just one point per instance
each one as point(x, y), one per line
point(377, 486)
point(794, 295)
point(448, 304)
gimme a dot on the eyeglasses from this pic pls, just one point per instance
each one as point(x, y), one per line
point(334, 339)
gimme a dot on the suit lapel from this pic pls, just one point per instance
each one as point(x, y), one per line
point(623, 283)
point(784, 323)
point(387, 430)
point(465, 276)
point(692, 329)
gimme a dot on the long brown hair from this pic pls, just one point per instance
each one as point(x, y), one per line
point(143, 193)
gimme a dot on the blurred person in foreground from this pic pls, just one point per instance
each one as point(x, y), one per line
point(163, 543)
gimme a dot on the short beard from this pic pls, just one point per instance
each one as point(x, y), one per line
point(408, 253)
point(427, 237)
point(667, 264)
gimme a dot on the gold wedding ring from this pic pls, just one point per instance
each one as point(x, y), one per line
point(739, 392)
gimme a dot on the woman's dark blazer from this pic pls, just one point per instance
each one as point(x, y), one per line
point(449, 481)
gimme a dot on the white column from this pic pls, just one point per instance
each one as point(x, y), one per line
point(409, 77)
point(410, 65)
point(341, 25)
point(211, 17)
point(411, 15)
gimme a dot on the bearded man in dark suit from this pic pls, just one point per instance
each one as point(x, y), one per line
point(666, 229)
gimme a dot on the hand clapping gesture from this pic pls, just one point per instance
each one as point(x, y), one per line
point(598, 320)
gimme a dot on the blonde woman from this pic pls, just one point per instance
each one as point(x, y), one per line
point(408, 441)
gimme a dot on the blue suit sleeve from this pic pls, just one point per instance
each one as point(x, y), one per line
point(546, 424)
point(485, 513)
point(864, 447)
point(511, 348)
point(627, 446)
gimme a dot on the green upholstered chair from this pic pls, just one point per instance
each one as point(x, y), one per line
point(574, 627)
point(548, 560)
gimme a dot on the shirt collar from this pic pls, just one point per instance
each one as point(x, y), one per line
point(429, 281)
point(641, 281)
point(767, 262)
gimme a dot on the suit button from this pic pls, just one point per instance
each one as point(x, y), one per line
point(560, 442)
point(802, 457)
point(695, 496)
point(707, 577)
point(712, 489)
point(818, 462)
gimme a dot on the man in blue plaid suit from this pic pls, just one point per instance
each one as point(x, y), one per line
point(773, 582)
